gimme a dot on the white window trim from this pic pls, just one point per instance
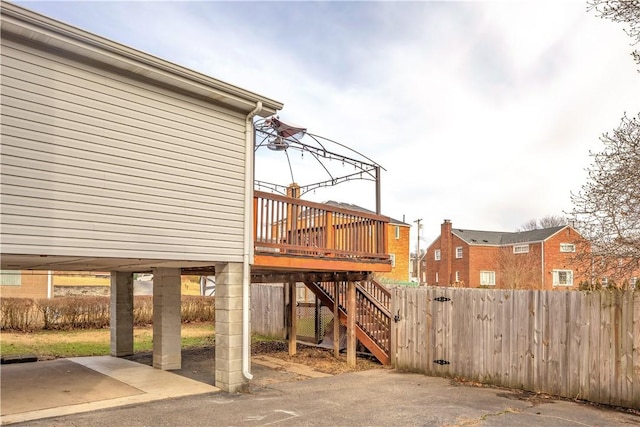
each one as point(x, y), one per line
point(437, 281)
point(437, 255)
point(393, 259)
point(397, 232)
point(567, 247)
point(520, 249)
point(457, 276)
point(459, 252)
point(556, 277)
point(491, 274)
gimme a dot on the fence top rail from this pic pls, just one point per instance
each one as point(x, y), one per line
point(322, 206)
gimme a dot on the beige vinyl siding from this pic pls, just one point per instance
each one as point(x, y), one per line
point(95, 163)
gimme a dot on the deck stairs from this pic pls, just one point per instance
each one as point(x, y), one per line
point(373, 315)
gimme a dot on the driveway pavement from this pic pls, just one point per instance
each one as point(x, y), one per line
point(105, 391)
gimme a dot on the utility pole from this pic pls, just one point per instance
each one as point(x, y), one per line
point(418, 260)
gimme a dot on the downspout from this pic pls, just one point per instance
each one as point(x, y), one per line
point(49, 285)
point(248, 237)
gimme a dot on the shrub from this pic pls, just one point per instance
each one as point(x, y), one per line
point(84, 312)
point(20, 314)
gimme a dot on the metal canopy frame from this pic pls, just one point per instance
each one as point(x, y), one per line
point(274, 134)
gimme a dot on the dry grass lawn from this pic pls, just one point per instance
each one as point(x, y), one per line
point(92, 342)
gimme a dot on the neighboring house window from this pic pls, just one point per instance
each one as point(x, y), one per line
point(397, 232)
point(521, 249)
point(10, 277)
point(457, 276)
point(562, 277)
point(437, 277)
point(393, 260)
point(605, 281)
point(567, 247)
point(633, 282)
point(487, 278)
point(437, 255)
point(459, 252)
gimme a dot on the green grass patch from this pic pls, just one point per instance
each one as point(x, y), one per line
point(93, 342)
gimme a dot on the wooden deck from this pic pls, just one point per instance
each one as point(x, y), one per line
point(297, 235)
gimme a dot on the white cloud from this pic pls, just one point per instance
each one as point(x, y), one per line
point(482, 112)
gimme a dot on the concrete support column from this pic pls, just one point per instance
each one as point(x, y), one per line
point(228, 305)
point(167, 349)
point(121, 311)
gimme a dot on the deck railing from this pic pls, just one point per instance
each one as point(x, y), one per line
point(288, 226)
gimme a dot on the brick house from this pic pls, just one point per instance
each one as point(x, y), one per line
point(25, 284)
point(535, 259)
point(398, 244)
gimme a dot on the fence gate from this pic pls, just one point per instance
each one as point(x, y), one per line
point(439, 314)
point(423, 329)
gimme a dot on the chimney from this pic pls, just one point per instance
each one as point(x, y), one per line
point(446, 254)
point(293, 190)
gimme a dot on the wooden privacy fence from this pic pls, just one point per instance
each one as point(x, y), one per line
point(583, 345)
point(267, 310)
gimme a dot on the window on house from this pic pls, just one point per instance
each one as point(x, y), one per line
point(567, 247)
point(459, 252)
point(605, 281)
point(562, 277)
point(10, 277)
point(393, 259)
point(397, 232)
point(457, 276)
point(437, 281)
point(487, 278)
point(521, 249)
point(436, 255)
point(633, 282)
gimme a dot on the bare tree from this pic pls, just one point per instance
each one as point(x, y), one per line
point(518, 271)
point(544, 222)
point(607, 208)
point(532, 224)
point(624, 11)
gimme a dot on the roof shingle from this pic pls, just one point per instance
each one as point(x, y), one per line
point(496, 238)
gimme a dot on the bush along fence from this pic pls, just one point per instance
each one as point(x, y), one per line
point(575, 344)
point(25, 314)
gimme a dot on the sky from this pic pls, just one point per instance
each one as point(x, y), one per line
point(480, 112)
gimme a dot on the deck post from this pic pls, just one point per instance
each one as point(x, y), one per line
point(293, 318)
point(336, 320)
point(351, 324)
point(121, 309)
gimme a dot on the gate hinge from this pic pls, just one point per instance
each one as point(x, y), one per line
point(442, 299)
point(441, 362)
